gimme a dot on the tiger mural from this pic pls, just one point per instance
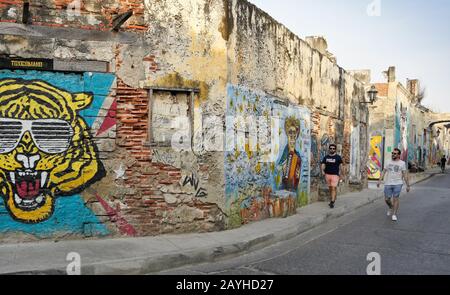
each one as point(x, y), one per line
point(46, 150)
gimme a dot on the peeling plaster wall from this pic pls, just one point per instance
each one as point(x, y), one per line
point(146, 189)
point(190, 51)
point(201, 45)
point(265, 56)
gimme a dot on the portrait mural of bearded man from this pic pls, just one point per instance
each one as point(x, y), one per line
point(291, 160)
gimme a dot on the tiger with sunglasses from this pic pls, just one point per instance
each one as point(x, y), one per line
point(46, 150)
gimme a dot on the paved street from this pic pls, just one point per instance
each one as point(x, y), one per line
point(419, 243)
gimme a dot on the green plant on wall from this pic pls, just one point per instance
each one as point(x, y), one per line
point(303, 199)
point(234, 213)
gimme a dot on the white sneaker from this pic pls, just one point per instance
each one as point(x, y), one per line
point(389, 213)
point(394, 218)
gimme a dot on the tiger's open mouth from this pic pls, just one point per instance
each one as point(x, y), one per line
point(29, 188)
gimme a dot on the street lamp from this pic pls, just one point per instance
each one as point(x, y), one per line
point(372, 94)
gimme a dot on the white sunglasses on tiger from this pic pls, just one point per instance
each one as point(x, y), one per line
point(51, 136)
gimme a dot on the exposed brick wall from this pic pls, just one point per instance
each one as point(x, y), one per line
point(148, 211)
point(382, 89)
point(83, 14)
point(346, 145)
point(315, 123)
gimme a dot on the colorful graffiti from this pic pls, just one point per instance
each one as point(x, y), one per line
point(401, 128)
point(375, 163)
point(257, 188)
point(47, 153)
point(355, 159)
point(315, 157)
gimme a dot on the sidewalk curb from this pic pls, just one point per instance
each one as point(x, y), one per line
point(157, 262)
point(152, 264)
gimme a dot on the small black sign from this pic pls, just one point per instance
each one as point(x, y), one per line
point(26, 63)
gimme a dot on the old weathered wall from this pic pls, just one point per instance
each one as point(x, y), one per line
point(185, 39)
point(145, 110)
point(142, 189)
point(265, 56)
point(89, 15)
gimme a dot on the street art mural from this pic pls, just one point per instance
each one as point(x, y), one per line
point(375, 163)
point(315, 159)
point(412, 145)
point(355, 159)
point(47, 152)
point(436, 152)
point(401, 128)
point(259, 186)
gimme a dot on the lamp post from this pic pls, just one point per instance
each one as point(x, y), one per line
point(372, 95)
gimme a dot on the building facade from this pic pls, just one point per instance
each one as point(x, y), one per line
point(398, 120)
point(136, 118)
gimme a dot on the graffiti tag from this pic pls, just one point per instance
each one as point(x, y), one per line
point(195, 182)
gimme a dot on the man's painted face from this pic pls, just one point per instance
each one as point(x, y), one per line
point(292, 135)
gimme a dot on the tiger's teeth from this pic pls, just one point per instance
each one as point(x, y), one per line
point(12, 175)
point(44, 175)
point(40, 199)
point(21, 173)
point(17, 199)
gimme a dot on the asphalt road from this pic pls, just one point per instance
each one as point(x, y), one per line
point(418, 244)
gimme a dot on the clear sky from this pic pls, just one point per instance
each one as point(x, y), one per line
point(412, 35)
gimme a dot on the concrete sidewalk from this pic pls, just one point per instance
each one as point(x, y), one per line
point(152, 254)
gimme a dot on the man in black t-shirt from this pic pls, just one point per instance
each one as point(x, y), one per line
point(443, 162)
point(331, 169)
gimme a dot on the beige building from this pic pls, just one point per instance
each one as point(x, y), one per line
point(398, 120)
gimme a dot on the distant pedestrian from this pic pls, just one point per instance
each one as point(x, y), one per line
point(443, 162)
point(395, 173)
point(332, 168)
